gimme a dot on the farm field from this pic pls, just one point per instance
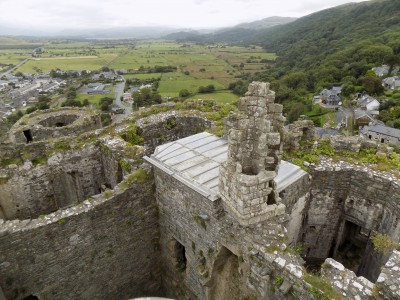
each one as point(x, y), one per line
point(221, 97)
point(94, 99)
point(196, 65)
point(66, 64)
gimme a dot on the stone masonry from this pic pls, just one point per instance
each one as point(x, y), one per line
point(254, 151)
point(150, 233)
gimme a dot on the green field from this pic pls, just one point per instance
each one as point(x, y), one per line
point(197, 65)
point(94, 99)
point(65, 64)
point(220, 97)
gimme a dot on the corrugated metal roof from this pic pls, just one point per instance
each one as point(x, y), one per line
point(195, 161)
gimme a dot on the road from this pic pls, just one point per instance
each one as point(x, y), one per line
point(342, 114)
point(14, 68)
point(119, 91)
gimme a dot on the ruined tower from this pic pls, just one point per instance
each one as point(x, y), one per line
point(246, 182)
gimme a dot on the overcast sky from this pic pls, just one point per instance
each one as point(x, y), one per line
point(56, 15)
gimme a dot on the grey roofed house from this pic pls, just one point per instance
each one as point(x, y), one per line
point(331, 96)
point(392, 83)
point(363, 117)
point(381, 70)
point(325, 132)
point(382, 133)
point(195, 161)
point(97, 89)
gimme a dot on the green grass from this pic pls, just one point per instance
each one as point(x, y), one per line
point(66, 64)
point(219, 97)
point(94, 99)
point(172, 83)
point(321, 288)
point(204, 64)
point(142, 76)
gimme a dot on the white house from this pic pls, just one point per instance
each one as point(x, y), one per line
point(367, 102)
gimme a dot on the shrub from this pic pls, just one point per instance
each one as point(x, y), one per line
point(383, 243)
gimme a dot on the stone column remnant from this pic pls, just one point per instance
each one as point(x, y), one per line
point(246, 182)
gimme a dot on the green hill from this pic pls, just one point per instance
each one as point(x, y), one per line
point(311, 39)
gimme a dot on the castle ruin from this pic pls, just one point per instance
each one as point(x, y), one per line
point(205, 217)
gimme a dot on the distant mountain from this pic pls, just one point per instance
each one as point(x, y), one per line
point(183, 35)
point(266, 23)
point(236, 34)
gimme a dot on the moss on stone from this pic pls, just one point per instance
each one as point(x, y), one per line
point(321, 288)
point(139, 175)
point(126, 167)
point(11, 161)
point(199, 220)
point(40, 160)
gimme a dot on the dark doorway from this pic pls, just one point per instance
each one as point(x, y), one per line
point(352, 247)
point(59, 124)
point(178, 255)
point(28, 135)
point(30, 297)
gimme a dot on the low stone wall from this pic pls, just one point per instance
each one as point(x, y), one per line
point(169, 126)
point(53, 123)
point(106, 248)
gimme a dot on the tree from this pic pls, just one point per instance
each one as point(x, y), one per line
point(392, 61)
point(348, 89)
point(295, 112)
point(207, 89)
point(71, 94)
point(184, 93)
point(14, 117)
point(372, 84)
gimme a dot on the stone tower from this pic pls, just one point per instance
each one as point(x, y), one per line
point(246, 182)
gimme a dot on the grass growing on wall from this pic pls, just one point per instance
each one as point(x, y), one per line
point(321, 288)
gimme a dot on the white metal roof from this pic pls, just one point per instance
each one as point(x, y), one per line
point(195, 161)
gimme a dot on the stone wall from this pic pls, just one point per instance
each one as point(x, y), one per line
point(169, 126)
point(255, 142)
point(18, 152)
point(265, 267)
point(56, 123)
point(300, 130)
point(213, 241)
point(344, 198)
point(106, 248)
point(66, 179)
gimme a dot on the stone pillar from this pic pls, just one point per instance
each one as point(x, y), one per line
point(246, 182)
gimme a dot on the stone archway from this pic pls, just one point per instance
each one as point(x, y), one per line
point(225, 278)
